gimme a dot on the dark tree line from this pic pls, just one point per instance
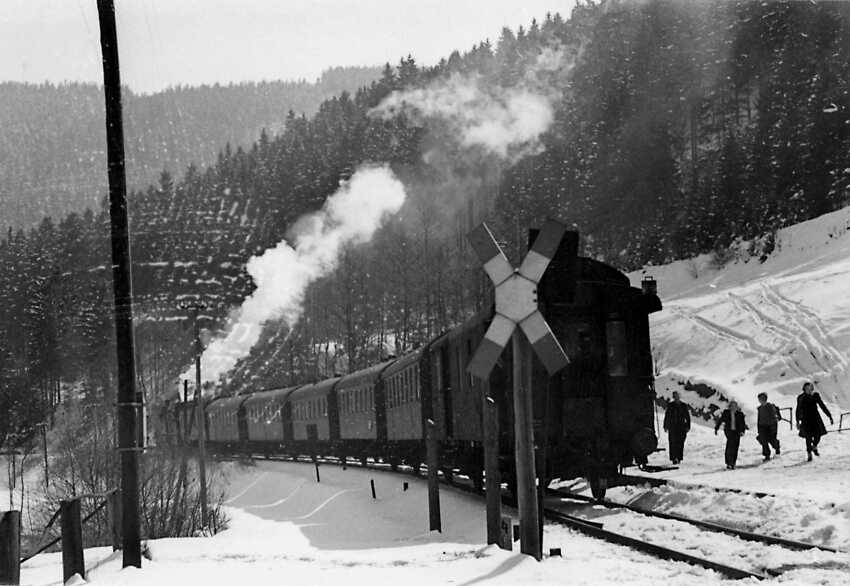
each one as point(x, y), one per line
point(682, 128)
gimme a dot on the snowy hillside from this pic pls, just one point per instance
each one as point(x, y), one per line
point(758, 324)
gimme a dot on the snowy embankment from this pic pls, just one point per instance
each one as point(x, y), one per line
point(786, 497)
point(287, 528)
point(731, 332)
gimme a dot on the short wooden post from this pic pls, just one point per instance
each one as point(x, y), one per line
point(10, 548)
point(493, 480)
point(372, 484)
point(114, 510)
point(72, 540)
point(506, 540)
point(316, 462)
point(433, 456)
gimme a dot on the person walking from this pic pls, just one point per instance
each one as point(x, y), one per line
point(809, 422)
point(677, 424)
point(768, 424)
point(734, 425)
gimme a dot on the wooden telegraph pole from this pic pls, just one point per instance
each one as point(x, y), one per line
point(199, 414)
point(516, 305)
point(128, 398)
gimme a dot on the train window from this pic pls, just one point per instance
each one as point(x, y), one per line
point(615, 333)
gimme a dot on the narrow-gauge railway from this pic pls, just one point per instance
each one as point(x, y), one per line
point(594, 418)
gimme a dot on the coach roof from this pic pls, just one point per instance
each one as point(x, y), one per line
point(319, 389)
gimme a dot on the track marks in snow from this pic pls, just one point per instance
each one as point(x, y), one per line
point(741, 341)
point(281, 500)
point(323, 505)
point(808, 324)
point(791, 339)
point(246, 489)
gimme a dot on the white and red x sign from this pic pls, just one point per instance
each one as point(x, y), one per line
point(516, 299)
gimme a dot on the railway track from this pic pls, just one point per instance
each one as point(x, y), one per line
point(715, 527)
point(762, 571)
point(631, 480)
point(597, 530)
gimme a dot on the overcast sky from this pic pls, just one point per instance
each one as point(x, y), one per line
point(169, 42)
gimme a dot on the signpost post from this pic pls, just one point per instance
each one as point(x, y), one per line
point(516, 305)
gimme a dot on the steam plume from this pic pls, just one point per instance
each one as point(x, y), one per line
point(350, 216)
point(504, 121)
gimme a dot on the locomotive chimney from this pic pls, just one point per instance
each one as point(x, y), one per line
point(649, 286)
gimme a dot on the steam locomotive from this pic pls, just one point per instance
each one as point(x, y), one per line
point(593, 418)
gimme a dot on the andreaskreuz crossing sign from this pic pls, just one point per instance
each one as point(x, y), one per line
point(516, 299)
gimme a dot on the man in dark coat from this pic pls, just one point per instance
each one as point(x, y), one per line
point(732, 420)
point(809, 423)
point(768, 425)
point(677, 424)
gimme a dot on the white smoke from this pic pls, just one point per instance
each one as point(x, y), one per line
point(350, 216)
point(504, 121)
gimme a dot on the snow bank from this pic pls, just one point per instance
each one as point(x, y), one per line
point(752, 326)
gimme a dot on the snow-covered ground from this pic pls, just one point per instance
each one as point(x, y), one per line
point(725, 333)
point(752, 326)
point(286, 528)
point(787, 497)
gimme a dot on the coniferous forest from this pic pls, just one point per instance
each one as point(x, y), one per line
point(684, 128)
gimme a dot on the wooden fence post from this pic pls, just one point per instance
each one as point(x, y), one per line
point(72, 540)
point(10, 548)
point(115, 519)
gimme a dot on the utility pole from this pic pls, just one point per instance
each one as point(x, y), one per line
point(196, 307)
point(128, 399)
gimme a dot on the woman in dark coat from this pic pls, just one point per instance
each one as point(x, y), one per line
point(808, 419)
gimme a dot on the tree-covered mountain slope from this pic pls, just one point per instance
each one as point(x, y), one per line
point(675, 128)
point(52, 137)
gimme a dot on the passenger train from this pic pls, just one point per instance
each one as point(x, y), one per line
point(594, 417)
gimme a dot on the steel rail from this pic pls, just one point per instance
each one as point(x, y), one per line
point(716, 527)
point(588, 528)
